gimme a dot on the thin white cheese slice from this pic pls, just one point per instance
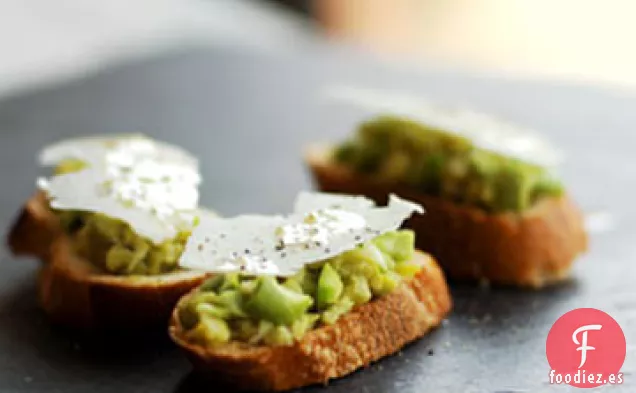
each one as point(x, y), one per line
point(154, 209)
point(327, 226)
point(149, 185)
point(485, 131)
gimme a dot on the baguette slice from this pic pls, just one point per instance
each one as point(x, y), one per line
point(532, 249)
point(366, 334)
point(77, 294)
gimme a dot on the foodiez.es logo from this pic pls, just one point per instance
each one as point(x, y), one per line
point(586, 348)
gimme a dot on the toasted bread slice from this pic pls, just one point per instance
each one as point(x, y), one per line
point(77, 294)
point(35, 229)
point(532, 249)
point(366, 334)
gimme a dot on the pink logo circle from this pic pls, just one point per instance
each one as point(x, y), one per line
point(586, 348)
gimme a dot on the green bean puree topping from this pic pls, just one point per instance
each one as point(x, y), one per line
point(277, 311)
point(445, 165)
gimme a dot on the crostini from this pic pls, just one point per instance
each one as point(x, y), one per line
point(109, 226)
point(302, 299)
point(495, 211)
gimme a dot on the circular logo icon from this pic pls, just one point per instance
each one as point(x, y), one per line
point(585, 348)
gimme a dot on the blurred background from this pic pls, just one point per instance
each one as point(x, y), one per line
point(578, 40)
point(583, 41)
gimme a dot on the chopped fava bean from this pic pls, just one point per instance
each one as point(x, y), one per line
point(273, 302)
point(329, 287)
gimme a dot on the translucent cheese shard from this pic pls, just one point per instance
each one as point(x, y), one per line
point(326, 226)
point(485, 131)
point(151, 187)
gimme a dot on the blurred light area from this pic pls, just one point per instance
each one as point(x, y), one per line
point(581, 40)
point(44, 41)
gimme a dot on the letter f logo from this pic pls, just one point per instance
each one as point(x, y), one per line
point(583, 344)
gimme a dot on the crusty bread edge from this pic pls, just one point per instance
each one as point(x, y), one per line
point(366, 334)
point(34, 230)
point(532, 249)
point(76, 294)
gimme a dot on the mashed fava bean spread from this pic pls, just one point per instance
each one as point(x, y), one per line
point(445, 165)
point(277, 311)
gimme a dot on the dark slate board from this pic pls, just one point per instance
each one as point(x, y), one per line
point(247, 116)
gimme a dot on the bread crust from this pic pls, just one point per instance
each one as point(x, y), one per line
point(532, 249)
point(34, 230)
point(76, 294)
point(366, 334)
